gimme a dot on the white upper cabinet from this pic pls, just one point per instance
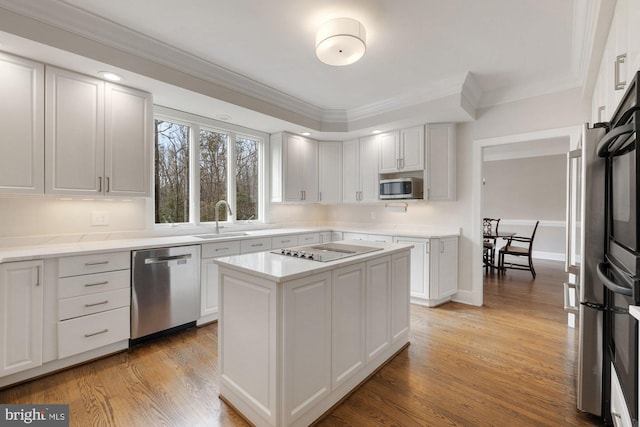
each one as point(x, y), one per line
point(330, 166)
point(294, 168)
point(620, 60)
point(360, 170)
point(128, 135)
point(402, 151)
point(22, 123)
point(79, 159)
point(440, 173)
point(389, 152)
point(74, 133)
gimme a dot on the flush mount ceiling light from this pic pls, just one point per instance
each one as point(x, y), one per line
point(341, 41)
point(110, 76)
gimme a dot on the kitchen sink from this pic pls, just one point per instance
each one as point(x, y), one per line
point(221, 235)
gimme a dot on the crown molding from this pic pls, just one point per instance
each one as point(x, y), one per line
point(83, 28)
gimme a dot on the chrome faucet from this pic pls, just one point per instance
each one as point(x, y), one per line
point(217, 209)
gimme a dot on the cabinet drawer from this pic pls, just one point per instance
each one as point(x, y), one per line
point(380, 238)
point(94, 263)
point(284, 242)
point(308, 239)
point(94, 331)
point(255, 245)
point(69, 308)
point(90, 284)
point(215, 250)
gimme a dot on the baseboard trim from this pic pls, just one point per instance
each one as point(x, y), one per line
point(468, 297)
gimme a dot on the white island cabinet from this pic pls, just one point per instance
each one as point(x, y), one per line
point(296, 335)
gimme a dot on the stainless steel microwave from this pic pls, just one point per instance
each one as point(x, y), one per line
point(401, 188)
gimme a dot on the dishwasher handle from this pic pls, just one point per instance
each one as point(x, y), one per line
point(161, 259)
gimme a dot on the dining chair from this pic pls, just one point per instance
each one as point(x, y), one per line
point(518, 251)
point(490, 235)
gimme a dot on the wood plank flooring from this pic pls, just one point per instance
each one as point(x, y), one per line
point(508, 363)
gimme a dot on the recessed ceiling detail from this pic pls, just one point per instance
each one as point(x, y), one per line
point(470, 56)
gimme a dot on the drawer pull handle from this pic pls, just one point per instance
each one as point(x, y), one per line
point(286, 241)
point(256, 245)
point(95, 284)
point(104, 331)
point(97, 303)
point(89, 264)
point(222, 249)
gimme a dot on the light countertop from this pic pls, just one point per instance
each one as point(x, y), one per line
point(61, 246)
point(281, 268)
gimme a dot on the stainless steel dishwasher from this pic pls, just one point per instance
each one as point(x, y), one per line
point(165, 290)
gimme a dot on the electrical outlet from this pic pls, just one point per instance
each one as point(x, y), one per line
point(99, 218)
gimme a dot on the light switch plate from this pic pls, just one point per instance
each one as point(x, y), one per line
point(99, 218)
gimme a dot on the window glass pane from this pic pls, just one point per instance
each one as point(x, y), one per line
point(213, 174)
point(247, 179)
point(171, 172)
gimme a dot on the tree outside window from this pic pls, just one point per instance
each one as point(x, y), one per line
point(220, 155)
point(213, 173)
point(171, 172)
point(247, 183)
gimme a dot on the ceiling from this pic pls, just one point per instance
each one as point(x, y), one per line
point(254, 60)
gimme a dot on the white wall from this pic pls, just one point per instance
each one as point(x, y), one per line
point(522, 191)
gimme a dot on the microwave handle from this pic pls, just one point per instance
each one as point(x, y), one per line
point(613, 286)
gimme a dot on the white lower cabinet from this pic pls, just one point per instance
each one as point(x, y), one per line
point(94, 298)
point(21, 299)
point(290, 350)
point(434, 269)
point(307, 344)
point(209, 277)
point(619, 412)
point(400, 294)
point(378, 307)
point(347, 322)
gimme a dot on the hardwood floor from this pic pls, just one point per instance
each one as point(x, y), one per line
point(508, 363)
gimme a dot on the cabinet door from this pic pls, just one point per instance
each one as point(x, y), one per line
point(128, 130)
point(400, 283)
point(209, 290)
point(22, 124)
point(378, 307)
point(21, 299)
point(74, 131)
point(412, 143)
point(309, 171)
point(307, 347)
point(440, 183)
point(348, 323)
point(350, 171)
point(419, 286)
point(369, 169)
point(330, 172)
point(293, 149)
point(390, 155)
point(447, 283)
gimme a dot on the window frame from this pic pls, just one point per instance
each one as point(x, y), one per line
point(195, 124)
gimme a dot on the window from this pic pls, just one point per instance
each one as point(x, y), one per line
point(198, 164)
point(213, 173)
point(247, 179)
point(172, 172)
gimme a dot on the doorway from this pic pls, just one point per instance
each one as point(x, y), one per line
point(533, 141)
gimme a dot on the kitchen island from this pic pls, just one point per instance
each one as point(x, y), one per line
point(297, 335)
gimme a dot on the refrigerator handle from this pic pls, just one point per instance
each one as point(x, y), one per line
point(571, 211)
